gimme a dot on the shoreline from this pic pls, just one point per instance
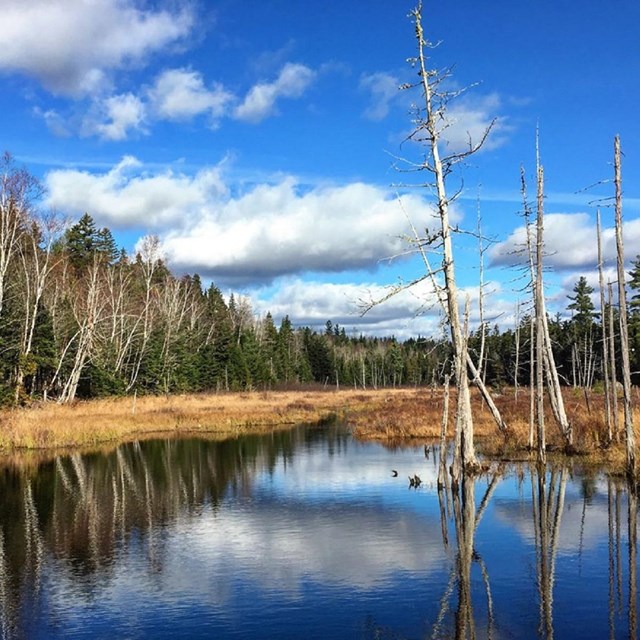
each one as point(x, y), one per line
point(386, 415)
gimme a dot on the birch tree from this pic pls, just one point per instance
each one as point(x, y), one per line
point(37, 262)
point(18, 189)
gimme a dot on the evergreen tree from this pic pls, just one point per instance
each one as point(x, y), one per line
point(83, 241)
point(582, 306)
point(634, 285)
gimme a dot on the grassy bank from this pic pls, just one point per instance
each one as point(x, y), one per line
point(387, 415)
point(82, 424)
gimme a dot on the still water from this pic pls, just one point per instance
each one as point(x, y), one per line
point(306, 534)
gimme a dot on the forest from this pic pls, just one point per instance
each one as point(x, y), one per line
point(80, 318)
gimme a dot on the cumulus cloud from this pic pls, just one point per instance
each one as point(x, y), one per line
point(180, 94)
point(383, 88)
point(570, 242)
point(260, 102)
point(71, 46)
point(175, 95)
point(118, 115)
point(467, 120)
point(280, 229)
point(268, 231)
point(126, 196)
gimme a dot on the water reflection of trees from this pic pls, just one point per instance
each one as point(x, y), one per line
point(461, 502)
point(81, 510)
point(547, 501)
point(460, 615)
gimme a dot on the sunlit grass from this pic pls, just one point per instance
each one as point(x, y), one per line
point(386, 415)
point(88, 423)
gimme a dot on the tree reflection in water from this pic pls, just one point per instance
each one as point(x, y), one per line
point(466, 521)
point(84, 510)
point(79, 516)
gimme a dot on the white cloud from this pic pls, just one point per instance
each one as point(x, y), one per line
point(408, 313)
point(570, 242)
point(280, 229)
point(312, 303)
point(383, 88)
point(260, 102)
point(118, 115)
point(181, 94)
point(255, 236)
point(70, 46)
point(126, 196)
point(467, 120)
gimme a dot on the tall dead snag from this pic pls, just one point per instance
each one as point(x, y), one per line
point(533, 316)
point(612, 366)
point(551, 373)
point(603, 325)
point(540, 317)
point(429, 119)
point(622, 299)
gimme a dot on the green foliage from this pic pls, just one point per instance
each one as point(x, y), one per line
point(84, 242)
point(156, 333)
point(582, 306)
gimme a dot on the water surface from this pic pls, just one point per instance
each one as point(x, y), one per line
point(306, 534)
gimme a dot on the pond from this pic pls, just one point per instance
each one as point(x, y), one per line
point(308, 534)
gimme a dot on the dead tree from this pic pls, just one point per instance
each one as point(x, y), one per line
point(603, 324)
point(551, 373)
point(622, 300)
point(613, 366)
point(533, 316)
point(540, 318)
point(430, 118)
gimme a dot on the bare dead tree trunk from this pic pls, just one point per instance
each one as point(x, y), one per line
point(613, 366)
point(553, 381)
point(464, 457)
point(533, 316)
point(622, 299)
point(540, 312)
point(442, 469)
point(517, 358)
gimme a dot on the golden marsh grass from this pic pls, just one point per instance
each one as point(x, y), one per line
point(387, 415)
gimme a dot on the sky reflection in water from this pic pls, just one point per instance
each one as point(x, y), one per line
point(307, 534)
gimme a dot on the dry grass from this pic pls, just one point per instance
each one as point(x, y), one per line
point(418, 415)
point(83, 424)
point(386, 415)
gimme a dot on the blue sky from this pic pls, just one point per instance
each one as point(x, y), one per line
point(257, 139)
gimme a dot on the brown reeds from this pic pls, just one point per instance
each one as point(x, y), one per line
point(82, 424)
point(387, 415)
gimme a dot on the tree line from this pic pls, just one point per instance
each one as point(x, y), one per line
point(80, 318)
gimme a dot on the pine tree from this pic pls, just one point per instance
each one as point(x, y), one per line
point(83, 241)
point(582, 306)
point(634, 285)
